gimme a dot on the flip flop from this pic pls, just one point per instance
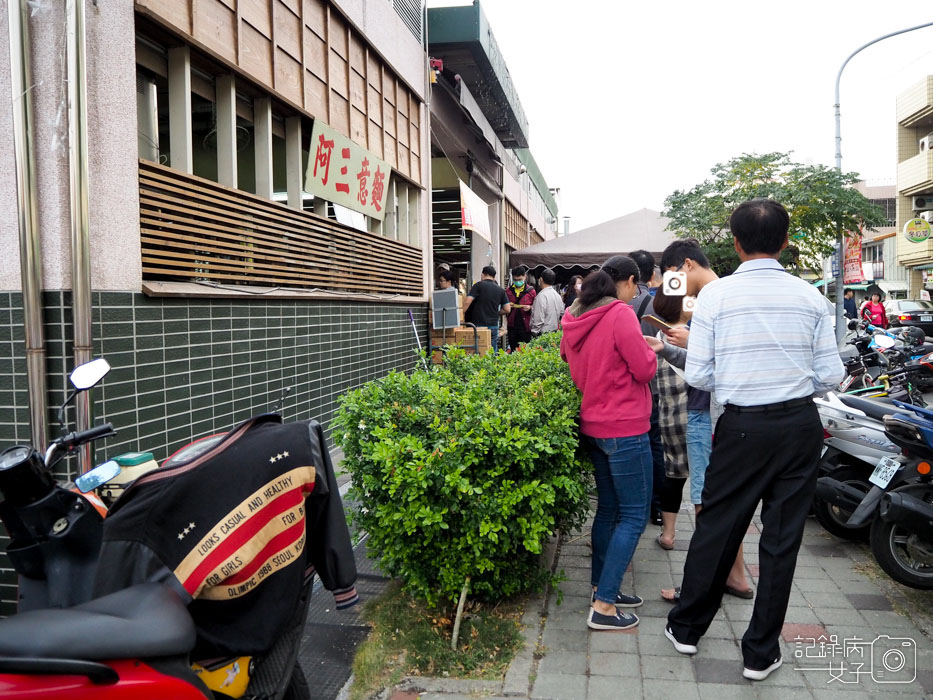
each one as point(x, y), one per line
point(745, 595)
point(664, 546)
point(676, 597)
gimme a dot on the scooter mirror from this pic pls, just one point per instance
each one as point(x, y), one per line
point(885, 341)
point(98, 476)
point(87, 375)
point(852, 324)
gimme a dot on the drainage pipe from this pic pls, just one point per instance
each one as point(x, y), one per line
point(80, 234)
point(28, 217)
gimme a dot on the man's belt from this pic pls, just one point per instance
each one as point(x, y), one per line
point(771, 407)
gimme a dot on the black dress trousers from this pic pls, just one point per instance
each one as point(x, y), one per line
point(758, 456)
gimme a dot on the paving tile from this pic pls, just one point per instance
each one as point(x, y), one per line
point(792, 631)
point(615, 642)
point(825, 550)
point(565, 640)
point(669, 690)
point(773, 693)
point(719, 691)
point(827, 600)
point(719, 629)
point(803, 571)
point(563, 662)
point(713, 670)
point(802, 615)
point(604, 688)
point(817, 585)
point(721, 648)
point(867, 601)
point(559, 686)
point(667, 668)
point(887, 622)
point(607, 663)
point(840, 617)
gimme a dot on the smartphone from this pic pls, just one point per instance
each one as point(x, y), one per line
point(657, 323)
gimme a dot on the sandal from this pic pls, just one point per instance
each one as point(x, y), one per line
point(744, 595)
point(668, 547)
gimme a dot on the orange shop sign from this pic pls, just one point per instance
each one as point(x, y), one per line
point(345, 173)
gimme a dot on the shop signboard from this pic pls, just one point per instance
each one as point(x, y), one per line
point(474, 213)
point(917, 230)
point(852, 266)
point(345, 173)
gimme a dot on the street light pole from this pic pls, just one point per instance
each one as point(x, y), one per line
point(840, 328)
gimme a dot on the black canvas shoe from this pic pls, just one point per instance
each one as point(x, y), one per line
point(623, 601)
point(688, 649)
point(619, 621)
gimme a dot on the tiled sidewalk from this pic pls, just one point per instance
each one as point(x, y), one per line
point(563, 660)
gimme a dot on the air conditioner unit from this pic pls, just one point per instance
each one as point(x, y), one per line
point(926, 143)
point(923, 202)
point(927, 216)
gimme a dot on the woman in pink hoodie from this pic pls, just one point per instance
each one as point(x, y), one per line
point(611, 364)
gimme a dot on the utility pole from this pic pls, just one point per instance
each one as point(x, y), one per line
point(840, 327)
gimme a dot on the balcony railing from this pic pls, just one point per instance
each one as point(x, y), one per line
point(196, 230)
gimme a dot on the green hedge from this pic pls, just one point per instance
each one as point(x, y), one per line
point(466, 470)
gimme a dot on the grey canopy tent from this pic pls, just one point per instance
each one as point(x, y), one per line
point(641, 230)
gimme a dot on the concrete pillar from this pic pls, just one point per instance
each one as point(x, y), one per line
point(294, 175)
point(226, 130)
point(179, 108)
point(262, 128)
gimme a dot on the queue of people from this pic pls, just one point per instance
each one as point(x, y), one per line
point(723, 423)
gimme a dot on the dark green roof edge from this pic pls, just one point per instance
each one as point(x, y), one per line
point(537, 177)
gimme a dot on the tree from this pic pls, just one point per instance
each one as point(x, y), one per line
point(820, 200)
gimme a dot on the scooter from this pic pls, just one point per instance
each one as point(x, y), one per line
point(854, 442)
point(134, 642)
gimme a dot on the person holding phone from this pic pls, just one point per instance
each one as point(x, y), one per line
point(612, 365)
point(521, 297)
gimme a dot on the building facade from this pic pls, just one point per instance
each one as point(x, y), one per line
point(256, 212)
point(915, 181)
point(479, 140)
point(881, 269)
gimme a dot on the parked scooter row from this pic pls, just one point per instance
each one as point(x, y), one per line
point(896, 363)
point(210, 603)
point(875, 481)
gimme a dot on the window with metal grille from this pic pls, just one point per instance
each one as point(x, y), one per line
point(411, 12)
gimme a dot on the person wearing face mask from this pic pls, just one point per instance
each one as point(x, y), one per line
point(612, 365)
point(521, 297)
point(573, 289)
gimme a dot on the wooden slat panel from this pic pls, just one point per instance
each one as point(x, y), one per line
point(314, 15)
point(287, 76)
point(255, 53)
point(375, 139)
point(216, 27)
point(339, 80)
point(287, 29)
point(177, 14)
point(195, 229)
point(315, 96)
point(256, 12)
point(315, 54)
point(358, 131)
point(340, 113)
point(337, 35)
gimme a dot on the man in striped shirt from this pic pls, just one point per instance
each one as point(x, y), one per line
point(763, 341)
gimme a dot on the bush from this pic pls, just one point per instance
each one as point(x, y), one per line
point(466, 470)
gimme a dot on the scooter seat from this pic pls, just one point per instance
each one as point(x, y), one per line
point(144, 621)
point(873, 408)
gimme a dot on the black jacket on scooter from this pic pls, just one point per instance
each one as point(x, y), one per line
point(236, 530)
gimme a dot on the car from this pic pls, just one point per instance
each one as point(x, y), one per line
point(910, 312)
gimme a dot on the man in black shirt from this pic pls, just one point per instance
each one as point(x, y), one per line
point(485, 303)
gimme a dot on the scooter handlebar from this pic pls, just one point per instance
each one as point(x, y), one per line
point(72, 440)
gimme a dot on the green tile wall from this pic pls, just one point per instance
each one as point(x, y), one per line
point(184, 368)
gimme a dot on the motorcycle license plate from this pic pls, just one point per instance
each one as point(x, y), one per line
point(926, 318)
point(884, 472)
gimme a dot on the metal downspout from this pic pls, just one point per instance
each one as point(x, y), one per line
point(80, 234)
point(28, 217)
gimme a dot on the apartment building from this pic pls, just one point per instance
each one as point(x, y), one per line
point(915, 182)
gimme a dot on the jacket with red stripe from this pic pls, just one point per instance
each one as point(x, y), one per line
point(235, 530)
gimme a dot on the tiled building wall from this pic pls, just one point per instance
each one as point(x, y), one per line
point(185, 368)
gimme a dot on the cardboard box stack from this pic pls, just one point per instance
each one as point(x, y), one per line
point(465, 337)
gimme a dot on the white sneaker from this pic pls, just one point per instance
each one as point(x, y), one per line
point(689, 649)
point(753, 675)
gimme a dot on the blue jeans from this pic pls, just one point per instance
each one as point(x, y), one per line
point(699, 446)
point(494, 338)
point(623, 488)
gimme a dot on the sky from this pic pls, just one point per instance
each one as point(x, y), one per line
point(630, 101)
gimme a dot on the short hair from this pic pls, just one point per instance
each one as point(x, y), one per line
point(519, 271)
point(677, 252)
point(549, 277)
point(489, 271)
point(760, 226)
point(448, 275)
point(667, 307)
point(645, 262)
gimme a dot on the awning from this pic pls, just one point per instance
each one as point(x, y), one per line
point(889, 286)
point(832, 282)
